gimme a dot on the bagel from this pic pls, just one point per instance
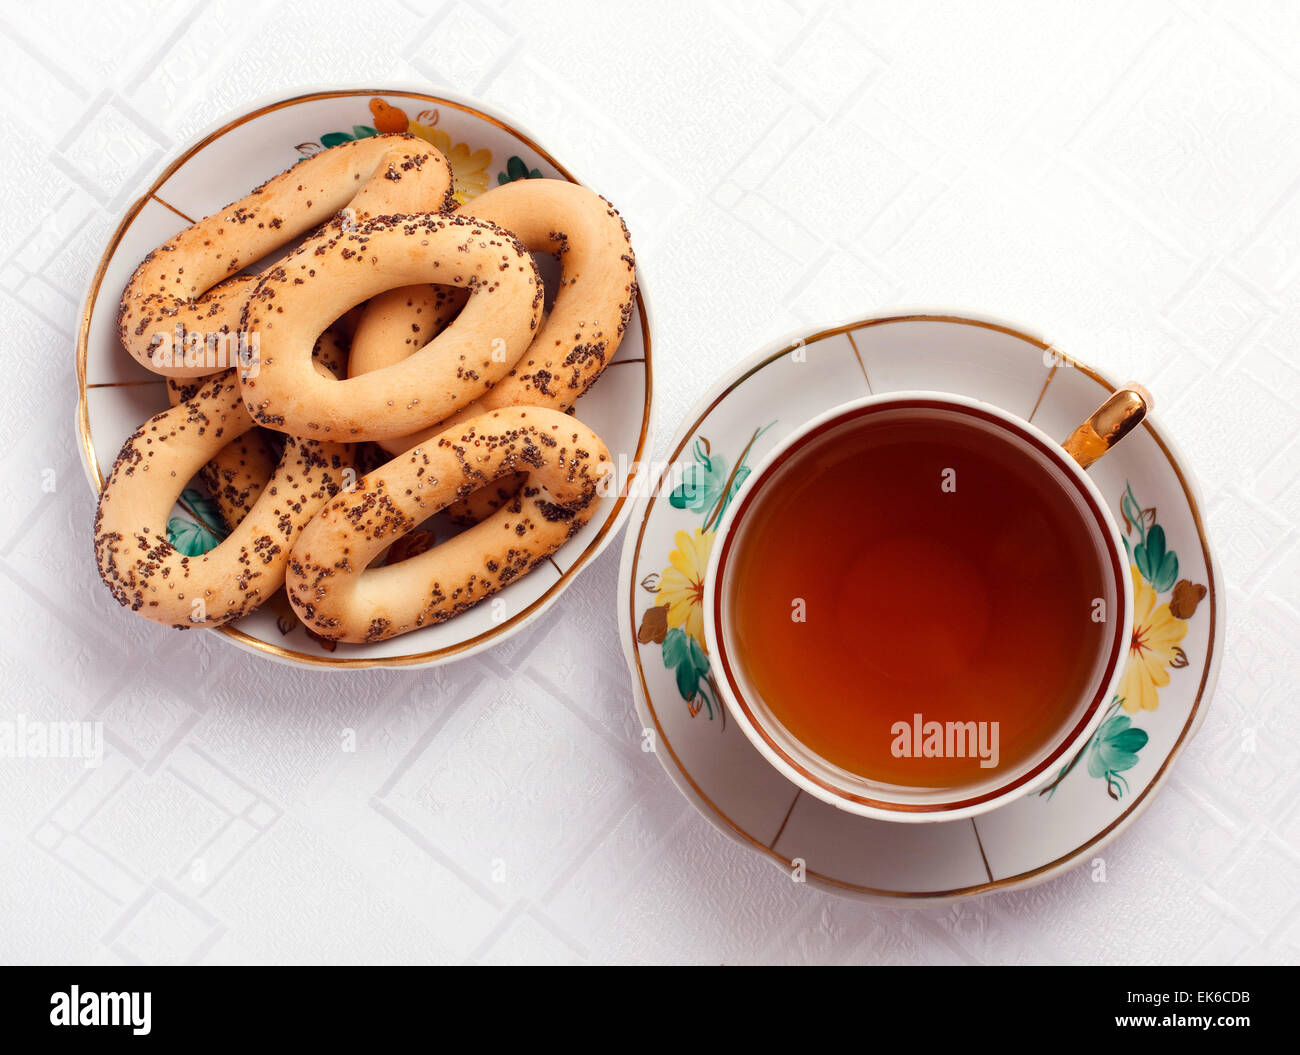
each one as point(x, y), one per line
point(236, 474)
point(405, 319)
point(586, 323)
point(597, 287)
point(171, 293)
point(296, 299)
point(138, 563)
point(338, 596)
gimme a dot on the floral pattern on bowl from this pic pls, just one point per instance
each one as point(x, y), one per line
point(218, 167)
point(469, 166)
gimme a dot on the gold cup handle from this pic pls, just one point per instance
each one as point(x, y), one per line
point(1108, 424)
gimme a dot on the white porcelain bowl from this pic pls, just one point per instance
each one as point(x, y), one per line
point(221, 166)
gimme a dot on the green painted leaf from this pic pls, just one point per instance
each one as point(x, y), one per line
point(517, 168)
point(206, 510)
point(701, 485)
point(674, 646)
point(363, 132)
point(1158, 565)
point(1133, 511)
point(738, 479)
point(688, 682)
point(680, 649)
point(1129, 742)
point(1167, 574)
point(333, 139)
point(1151, 552)
point(190, 538)
point(1115, 746)
point(683, 655)
point(699, 489)
point(742, 474)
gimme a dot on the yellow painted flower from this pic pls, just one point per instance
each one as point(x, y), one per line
point(681, 586)
point(1152, 649)
point(469, 169)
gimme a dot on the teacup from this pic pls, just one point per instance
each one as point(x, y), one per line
point(875, 746)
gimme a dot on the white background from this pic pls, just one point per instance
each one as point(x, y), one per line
point(1122, 177)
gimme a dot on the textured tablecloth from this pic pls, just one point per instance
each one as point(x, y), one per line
point(1122, 177)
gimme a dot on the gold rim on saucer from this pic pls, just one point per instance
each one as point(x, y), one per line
point(1030, 876)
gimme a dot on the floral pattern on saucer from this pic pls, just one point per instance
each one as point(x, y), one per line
point(1154, 650)
point(1033, 838)
point(676, 618)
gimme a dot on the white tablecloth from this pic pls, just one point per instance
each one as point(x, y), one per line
point(1122, 177)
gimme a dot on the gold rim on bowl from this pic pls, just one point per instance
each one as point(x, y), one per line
point(520, 618)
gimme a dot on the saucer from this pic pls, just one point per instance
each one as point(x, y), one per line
point(1095, 793)
point(116, 394)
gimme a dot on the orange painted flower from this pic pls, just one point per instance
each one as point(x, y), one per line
point(388, 118)
point(1152, 649)
point(681, 586)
